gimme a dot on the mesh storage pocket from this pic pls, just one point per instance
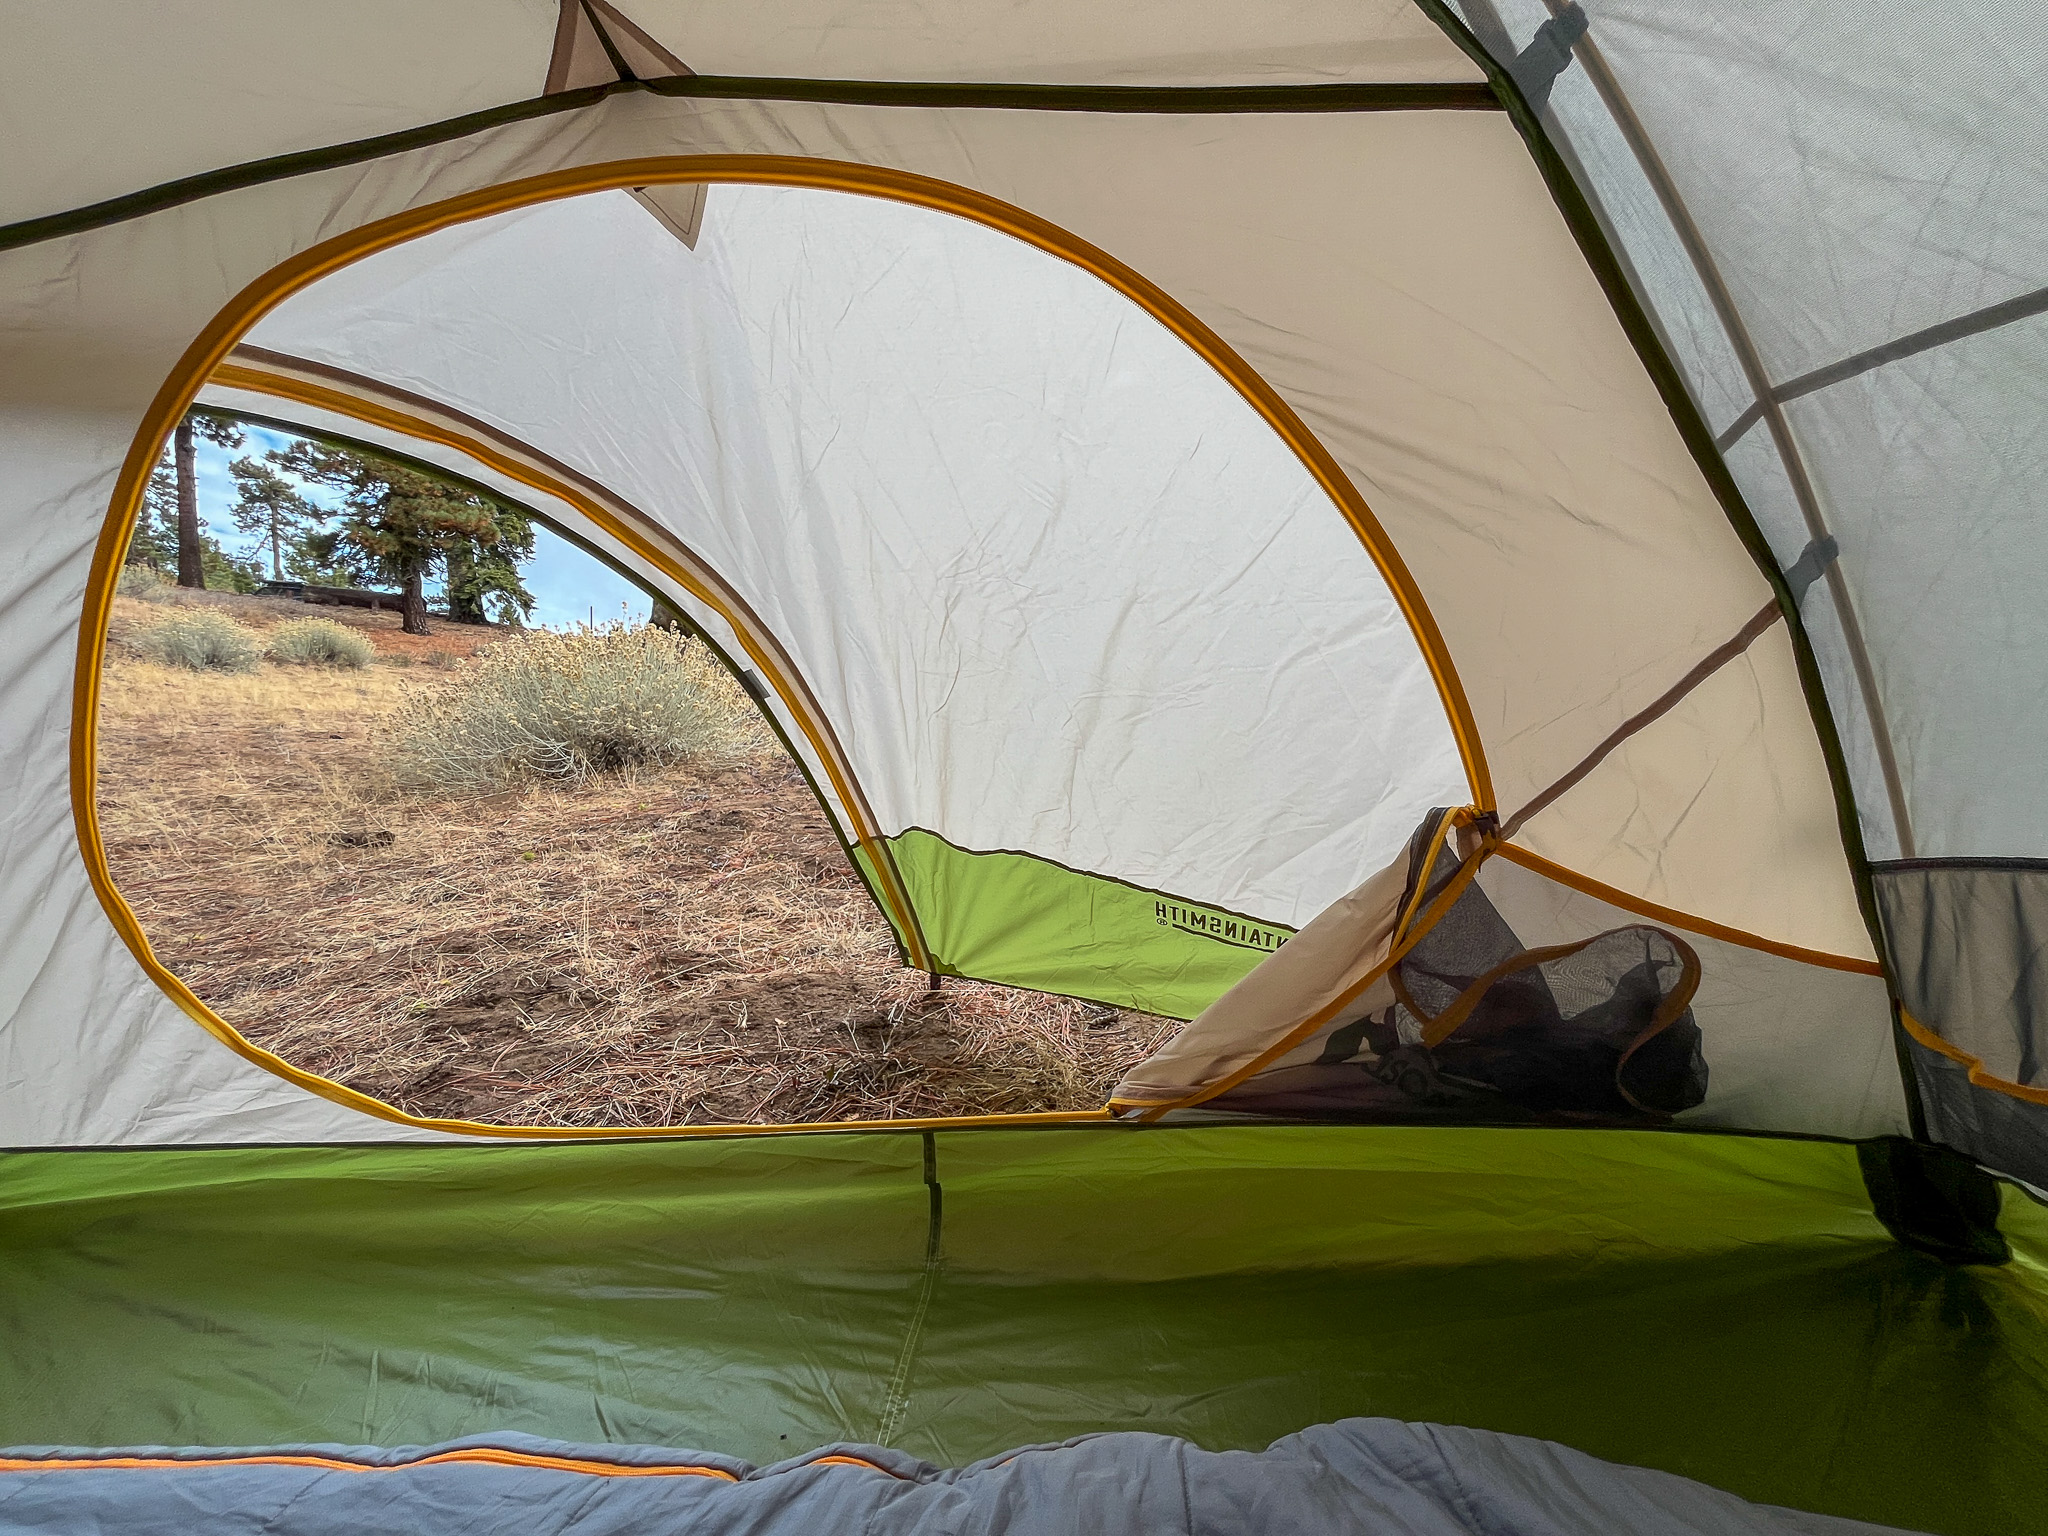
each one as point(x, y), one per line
point(1485, 1027)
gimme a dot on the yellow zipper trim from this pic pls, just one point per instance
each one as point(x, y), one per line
point(1979, 1075)
point(213, 344)
point(688, 572)
point(484, 1455)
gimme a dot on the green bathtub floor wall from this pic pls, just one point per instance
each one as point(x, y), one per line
point(1722, 1307)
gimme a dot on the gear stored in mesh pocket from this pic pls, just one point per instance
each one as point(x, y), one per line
point(1483, 1027)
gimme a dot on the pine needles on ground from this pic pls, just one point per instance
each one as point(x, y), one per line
point(646, 946)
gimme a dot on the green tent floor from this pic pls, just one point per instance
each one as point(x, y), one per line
point(1722, 1307)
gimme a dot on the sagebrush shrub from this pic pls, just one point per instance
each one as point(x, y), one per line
point(145, 582)
point(320, 643)
point(548, 705)
point(203, 639)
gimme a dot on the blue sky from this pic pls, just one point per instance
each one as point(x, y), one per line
point(569, 586)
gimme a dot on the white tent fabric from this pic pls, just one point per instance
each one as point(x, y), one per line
point(222, 84)
point(1147, 42)
point(1845, 254)
point(1861, 180)
point(1453, 354)
point(1056, 585)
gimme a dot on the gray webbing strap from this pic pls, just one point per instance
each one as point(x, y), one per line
point(1811, 565)
point(1548, 55)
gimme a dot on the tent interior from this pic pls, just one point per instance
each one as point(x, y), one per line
point(1376, 530)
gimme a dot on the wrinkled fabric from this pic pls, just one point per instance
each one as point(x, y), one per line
point(1359, 1475)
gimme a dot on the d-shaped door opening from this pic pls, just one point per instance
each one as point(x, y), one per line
point(1098, 676)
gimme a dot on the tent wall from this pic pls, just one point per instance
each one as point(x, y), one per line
point(999, 916)
point(1453, 355)
point(1847, 262)
point(1966, 939)
point(968, 486)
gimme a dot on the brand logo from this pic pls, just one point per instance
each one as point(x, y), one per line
point(1241, 932)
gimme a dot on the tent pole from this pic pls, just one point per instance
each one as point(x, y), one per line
point(1602, 79)
point(1594, 236)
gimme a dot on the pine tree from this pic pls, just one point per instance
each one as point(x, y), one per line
point(271, 507)
point(222, 431)
point(485, 573)
point(154, 542)
point(398, 524)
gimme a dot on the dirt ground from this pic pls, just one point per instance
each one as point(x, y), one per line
point(662, 948)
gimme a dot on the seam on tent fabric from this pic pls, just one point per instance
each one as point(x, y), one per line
point(211, 347)
point(2012, 865)
point(608, 511)
point(1690, 238)
point(557, 77)
point(613, 17)
point(480, 1455)
point(1230, 1120)
point(1975, 323)
point(1587, 886)
point(896, 1397)
point(604, 558)
point(1167, 100)
point(1979, 1074)
point(1636, 323)
point(1467, 870)
point(1649, 714)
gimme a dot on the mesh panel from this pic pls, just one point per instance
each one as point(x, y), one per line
point(2003, 1133)
point(1486, 1028)
point(1968, 938)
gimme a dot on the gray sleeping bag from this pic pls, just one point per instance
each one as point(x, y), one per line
point(1380, 1476)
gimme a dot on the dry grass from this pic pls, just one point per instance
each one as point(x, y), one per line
point(320, 643)
point(663, 946)
point(200, 640)
point(569, 706)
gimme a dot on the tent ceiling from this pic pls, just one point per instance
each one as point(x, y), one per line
point(192, 86)
point(1867, 218)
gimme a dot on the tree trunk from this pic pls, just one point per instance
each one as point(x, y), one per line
point(276, 549)
point(416, 602)
point(191, 568)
